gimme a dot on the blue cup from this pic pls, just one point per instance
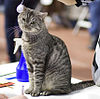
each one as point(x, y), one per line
point(21, 70)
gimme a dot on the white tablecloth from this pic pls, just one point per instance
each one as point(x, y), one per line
point(87, 93)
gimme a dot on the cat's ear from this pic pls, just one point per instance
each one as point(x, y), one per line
point(43, 14)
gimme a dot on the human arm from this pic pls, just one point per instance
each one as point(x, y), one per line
point(68, 2)
point(76, 2)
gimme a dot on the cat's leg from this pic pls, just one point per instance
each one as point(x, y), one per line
point(31, 86)
point(38, 77)
point(55, 84)
point(31, 79)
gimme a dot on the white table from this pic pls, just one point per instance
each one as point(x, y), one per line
point(87, 93)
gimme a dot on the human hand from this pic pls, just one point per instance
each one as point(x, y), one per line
point(68, 2)
point(2, 96)
point(19, 97)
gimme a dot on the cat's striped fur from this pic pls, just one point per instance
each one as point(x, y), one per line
point(47, 57)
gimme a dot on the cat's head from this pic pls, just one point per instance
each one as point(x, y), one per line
point(31, 20)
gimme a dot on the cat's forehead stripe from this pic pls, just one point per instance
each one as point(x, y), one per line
point(29, 14)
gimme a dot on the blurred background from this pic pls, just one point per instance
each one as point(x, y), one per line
point(70, 23)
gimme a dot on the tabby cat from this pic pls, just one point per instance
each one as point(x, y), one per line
point(47, 58)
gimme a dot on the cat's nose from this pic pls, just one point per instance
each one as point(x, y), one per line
point(26, 26)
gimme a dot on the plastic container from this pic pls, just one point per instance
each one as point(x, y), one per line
point(21, 70)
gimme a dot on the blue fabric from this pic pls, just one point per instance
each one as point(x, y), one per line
point(95, 18)
point(11, 21)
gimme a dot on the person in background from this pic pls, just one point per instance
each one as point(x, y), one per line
point(1, 5)
point(94, 9)
point(11, 24)
point(3, 96)
point(1, 2)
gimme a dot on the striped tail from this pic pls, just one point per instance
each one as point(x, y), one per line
point(82, 85)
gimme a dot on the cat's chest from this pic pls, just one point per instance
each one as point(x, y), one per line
point(34, 50)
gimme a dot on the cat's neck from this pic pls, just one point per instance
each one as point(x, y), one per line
point(34, 37)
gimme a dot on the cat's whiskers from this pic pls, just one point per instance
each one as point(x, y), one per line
point(14, 30)
point(11, 28)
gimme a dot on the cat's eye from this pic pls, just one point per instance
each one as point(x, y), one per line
point(32, 22)
point(23, 19)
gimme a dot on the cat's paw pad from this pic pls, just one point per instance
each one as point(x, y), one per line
point(28, 91)
point(45, 93)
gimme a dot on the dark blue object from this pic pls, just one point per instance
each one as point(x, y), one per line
point(21, 70)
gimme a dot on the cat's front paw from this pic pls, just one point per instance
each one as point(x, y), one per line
point(45, 93)
point(28, 91)
point(35, 93)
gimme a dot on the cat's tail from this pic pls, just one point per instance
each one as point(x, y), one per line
point(82, 85)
